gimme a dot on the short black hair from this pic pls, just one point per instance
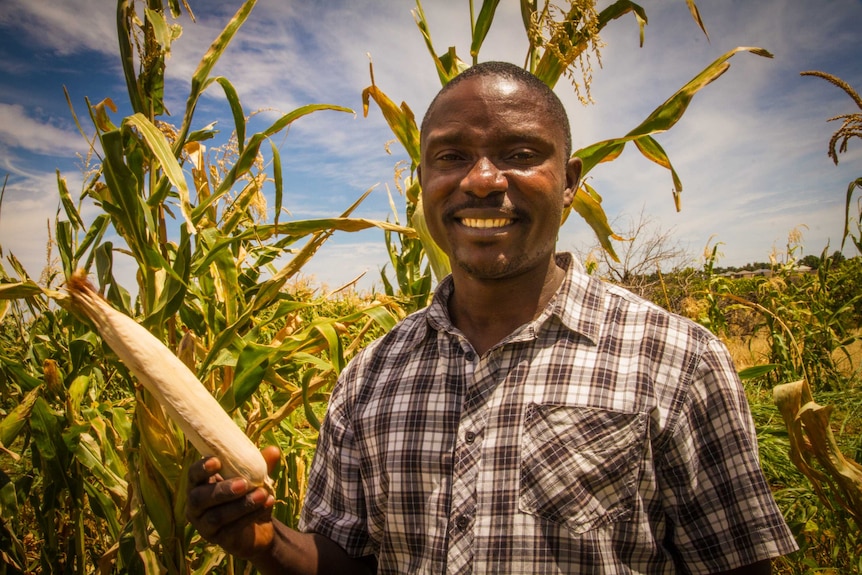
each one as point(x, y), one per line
point(518, 74)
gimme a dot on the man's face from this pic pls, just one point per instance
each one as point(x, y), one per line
point(495, 178)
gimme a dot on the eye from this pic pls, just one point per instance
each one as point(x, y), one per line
point(449, 156)
point(524, 156)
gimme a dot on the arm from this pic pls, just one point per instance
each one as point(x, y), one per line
point(239, 519)
point(759, 568)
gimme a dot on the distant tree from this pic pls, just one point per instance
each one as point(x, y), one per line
point(811, 261)
point(645, 255)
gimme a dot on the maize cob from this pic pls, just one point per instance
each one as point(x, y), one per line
point(184, 398)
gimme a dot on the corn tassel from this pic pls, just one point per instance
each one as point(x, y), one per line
point(185, 399)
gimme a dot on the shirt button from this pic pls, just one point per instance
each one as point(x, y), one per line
point(470, 356)
point(462, 522)
point(469, 437)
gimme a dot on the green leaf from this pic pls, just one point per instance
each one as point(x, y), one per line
point(89, 454)
point(757, 371)
point(653, 151)
point(400, 119)
point(278, 180)
point(249, 155)
point(45, 428)
point(695, 13)
point(662, 118)
point(251, 365)
point(336, 354)
point(437, 257)
point(94, 234)
point(307, 376)
point(160, 148)
point(68, 205)
point(200, 79)
point(382, 316)
point(587, 203)
point(483, 24)
point(14, 421)
point(236, 110)
point(19, 290)
point(64, 246)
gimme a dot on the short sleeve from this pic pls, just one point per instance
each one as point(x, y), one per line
point(334, 504)
point(721, 513)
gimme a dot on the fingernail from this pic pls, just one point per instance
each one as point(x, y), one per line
point(239, 486)
point(259, 496)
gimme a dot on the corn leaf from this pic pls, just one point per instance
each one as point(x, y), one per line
point(14, 421)
point(160, 148)
point(400, 119)
point(482, 25)
point(249, 155)
point(812, 441)
point(549, 68)
point(89, 453)
point(94, 235)
point(278, 181)
point(236, 110)
point(587, 203)
point(200, 79)
point(695, 13)
point(756, 371)
point(661, 119)
point(307, 378)
point(436, 257)
point(444, 70)
point(68, 205)
point(850, 189)
point(19, 290)
point(251, 365)
point(653, 151)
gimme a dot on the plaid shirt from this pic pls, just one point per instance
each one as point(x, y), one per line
point(607, 436)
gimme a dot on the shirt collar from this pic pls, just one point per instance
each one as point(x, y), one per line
point(578, 304)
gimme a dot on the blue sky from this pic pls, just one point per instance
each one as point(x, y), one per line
point(751, 150)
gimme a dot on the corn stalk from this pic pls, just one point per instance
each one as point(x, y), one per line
point(216, 282)
point(560, 41)
point(815, 452)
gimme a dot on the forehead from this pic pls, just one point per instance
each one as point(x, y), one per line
point(488, 104)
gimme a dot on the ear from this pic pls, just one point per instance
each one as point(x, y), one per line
point(573, 178)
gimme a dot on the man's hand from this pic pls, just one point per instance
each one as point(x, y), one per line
point(229, 512)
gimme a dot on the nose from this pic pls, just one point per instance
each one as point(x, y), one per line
point(484, 178)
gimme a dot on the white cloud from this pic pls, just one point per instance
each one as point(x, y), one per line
point(750, 149)
point(20, 130)
point(64, 27)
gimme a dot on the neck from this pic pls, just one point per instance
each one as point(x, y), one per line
point(487, 311)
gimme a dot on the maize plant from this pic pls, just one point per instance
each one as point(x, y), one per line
point(93, 465)
point(560, 41)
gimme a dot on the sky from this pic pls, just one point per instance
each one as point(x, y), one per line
point(750, 151)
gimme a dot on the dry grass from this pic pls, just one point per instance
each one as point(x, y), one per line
point(751, 350)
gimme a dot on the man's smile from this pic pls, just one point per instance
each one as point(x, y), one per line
point(486, 222)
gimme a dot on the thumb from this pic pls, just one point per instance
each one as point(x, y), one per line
point(272, 455)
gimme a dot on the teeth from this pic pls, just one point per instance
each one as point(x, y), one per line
point(486, 223)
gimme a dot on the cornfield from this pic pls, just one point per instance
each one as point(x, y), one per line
point(92, 471)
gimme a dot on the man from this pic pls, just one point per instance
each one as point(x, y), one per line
point(532, 419)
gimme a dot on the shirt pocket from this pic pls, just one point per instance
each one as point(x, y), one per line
point(579, 465)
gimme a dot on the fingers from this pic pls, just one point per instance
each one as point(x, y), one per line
point(204, 470)
point(272, 455)
point(226, 505)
